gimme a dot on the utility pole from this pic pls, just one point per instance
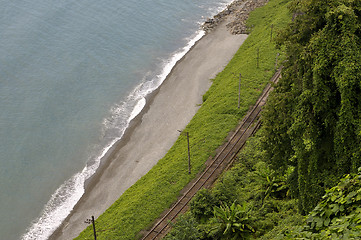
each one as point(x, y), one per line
point(189, 154)
point(239, 91)
point(189, 151)
point(92, 220)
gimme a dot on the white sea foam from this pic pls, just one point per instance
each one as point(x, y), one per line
point(138, 108)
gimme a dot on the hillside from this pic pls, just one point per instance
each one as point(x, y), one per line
point(305, 160)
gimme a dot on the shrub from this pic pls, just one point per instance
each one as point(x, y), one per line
point(185, 229)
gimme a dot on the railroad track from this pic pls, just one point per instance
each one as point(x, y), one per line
point(221, 161)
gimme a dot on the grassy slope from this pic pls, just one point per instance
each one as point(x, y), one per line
point(141, 204)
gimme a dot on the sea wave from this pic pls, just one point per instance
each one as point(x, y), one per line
point(69, 193)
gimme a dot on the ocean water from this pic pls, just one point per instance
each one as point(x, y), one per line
point(73, 73)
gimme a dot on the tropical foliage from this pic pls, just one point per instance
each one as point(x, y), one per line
point(312, 121)
point(337, 216)
point(233, 222)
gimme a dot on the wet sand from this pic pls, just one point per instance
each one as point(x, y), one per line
point(154, 131)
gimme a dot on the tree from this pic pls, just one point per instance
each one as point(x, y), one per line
point(312, 121)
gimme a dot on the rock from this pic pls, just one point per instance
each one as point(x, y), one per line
point(239, 10)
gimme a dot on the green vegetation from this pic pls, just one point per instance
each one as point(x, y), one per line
point(337, 216)
point(309, 141)
point(266, 207)
point(141, 204)
point(247, 202)
point(233, 221)
point(312, 121)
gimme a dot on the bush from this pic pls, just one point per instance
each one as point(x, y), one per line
point(202, 205)
point(337, 216)
point(185, 229)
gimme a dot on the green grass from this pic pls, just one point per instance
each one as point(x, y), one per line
point(142, 203)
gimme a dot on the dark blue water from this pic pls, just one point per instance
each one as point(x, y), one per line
point(72, 75)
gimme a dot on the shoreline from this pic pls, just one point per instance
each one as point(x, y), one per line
point(133, 123)
point(138, 131)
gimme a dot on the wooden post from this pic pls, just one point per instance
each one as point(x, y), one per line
point(95, 233)
point(189, 155)
point(239, 91)
point(92, 220)
point(271, 32)
point(189, 151)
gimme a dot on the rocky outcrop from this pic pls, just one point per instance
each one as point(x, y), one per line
point(236, 15)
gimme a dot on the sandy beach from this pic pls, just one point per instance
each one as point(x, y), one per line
point(154, 131)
